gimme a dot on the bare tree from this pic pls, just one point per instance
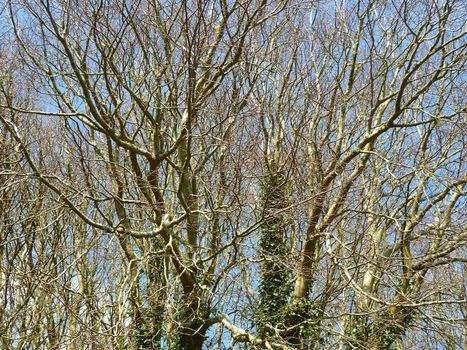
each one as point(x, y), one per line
point(252, 174)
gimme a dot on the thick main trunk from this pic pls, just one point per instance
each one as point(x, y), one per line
point(191, 339)
point(191, 332)
point(308, 263)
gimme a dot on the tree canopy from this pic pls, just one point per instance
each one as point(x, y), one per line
point(232, 174)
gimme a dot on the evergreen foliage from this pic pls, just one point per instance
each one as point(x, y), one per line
point(275, 278)
point(380, 334)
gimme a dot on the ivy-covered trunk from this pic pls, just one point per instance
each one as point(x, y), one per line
point(280, 314)
point(275, 276)
point(275, 311)
point(193, 326)
point(150, 310)
point(380, 333)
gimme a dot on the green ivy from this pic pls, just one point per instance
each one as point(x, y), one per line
point(275, 288)
point(277, 309)
point(382, 333)
point(147, 331)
